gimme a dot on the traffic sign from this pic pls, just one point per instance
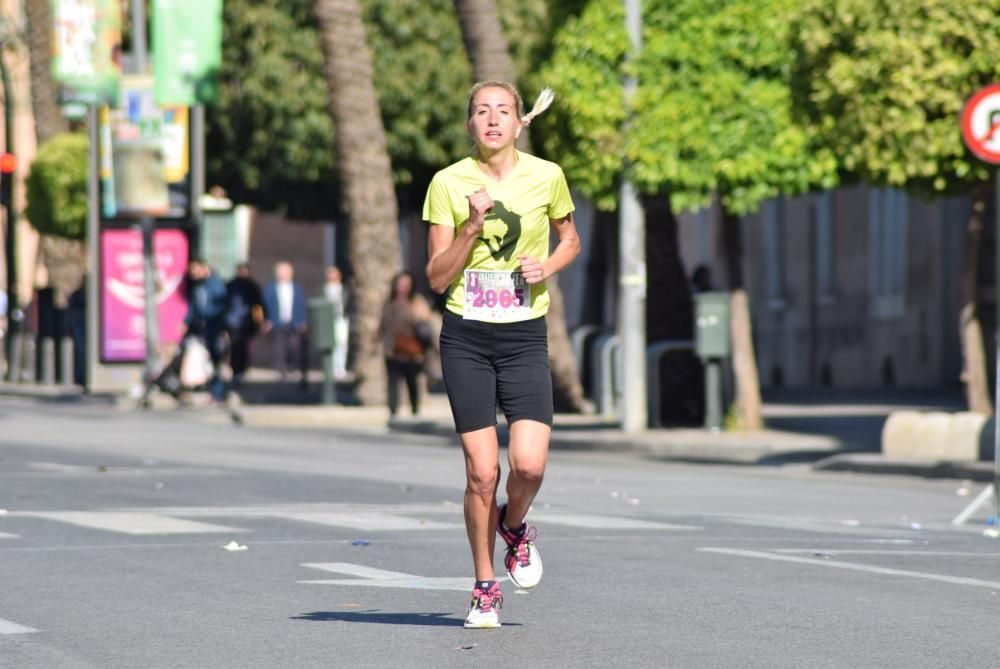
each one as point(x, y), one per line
point(981, 124)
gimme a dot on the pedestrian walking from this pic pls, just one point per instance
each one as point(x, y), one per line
point(285, 320)
point(244, 316)
point(490, 216)
point(335, 293)
point(205, 319)
point(404, 329)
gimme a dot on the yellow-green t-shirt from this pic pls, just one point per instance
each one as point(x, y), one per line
point(523, 202)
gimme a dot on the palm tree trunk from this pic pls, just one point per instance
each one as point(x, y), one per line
point(977, 394)
point(748, 402)
point(486, 46)
point(49, 120)
point(64, 259)
point(369, 198)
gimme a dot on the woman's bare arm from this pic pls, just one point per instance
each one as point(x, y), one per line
point(567, 248)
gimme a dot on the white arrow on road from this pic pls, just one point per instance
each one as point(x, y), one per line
point(8, 627)
point(381, 578)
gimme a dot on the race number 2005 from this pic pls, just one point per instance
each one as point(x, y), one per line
point(496, 295)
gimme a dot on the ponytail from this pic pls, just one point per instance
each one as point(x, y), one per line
point(542, 102)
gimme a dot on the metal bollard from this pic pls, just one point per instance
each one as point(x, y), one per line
point(29, 362)
point(48, 370)
point(66, 371)
point(16, 356)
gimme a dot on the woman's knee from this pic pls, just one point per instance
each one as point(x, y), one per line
point(482, 480)
point(531, 469)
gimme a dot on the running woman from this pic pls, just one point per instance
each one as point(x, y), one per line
point(488, 243)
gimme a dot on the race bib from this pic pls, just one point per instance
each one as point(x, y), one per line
point(497, 295)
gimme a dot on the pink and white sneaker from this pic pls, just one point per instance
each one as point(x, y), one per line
point(483, 608)
point(524, 564)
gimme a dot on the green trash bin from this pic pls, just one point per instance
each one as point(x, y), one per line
point(321, 332)
point(712, 325)
point(321, 317)
point(712, 344)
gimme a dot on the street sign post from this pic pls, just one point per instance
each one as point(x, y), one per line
point(981, 133)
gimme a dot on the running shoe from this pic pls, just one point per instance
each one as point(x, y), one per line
point(523, 563)
point(483, 608)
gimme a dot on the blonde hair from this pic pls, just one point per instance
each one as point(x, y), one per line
point(542, 102)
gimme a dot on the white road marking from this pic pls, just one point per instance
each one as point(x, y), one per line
point(816, 525)
point(130, 522)
point(370, 518)
point(371, 521)
point(61, 468)
point(603, 522)
point(4, 535)
point(400, 516)
point(8, 627)
point(359, 570)
point(954, 580)
point(380, 578)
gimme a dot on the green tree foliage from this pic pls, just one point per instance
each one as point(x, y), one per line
point(583, 131)
point(422, 76)
point(713, 113)
point(884, 82)
point(57, 187)
point(271, 135)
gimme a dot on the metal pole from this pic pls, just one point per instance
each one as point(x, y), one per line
point(140, 53)
point(197, 161)
point(632, 260)
point(329, 391)
point(713, 394)
point(91, 344)
point(996, 391)
point(149, 282)
point(10, 238)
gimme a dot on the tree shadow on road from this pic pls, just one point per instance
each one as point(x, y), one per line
point(386, 618)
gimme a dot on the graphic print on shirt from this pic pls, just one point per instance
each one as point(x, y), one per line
point(504, 245)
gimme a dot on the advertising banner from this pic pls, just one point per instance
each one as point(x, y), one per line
point(187, 50)
point(86, 50)
point(148, 147)
point(123, 321)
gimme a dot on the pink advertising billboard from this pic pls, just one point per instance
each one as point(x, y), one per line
point(123, 323)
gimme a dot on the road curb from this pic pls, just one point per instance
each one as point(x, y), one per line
point(870, 463)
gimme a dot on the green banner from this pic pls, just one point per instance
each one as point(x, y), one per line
point(187, 50)
point(86, 50)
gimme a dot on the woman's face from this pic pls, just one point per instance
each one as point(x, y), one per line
point(494, 123)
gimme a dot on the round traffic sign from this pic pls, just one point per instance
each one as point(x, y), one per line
point(981, 124)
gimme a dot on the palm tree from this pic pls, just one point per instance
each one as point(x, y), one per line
point(486, 47)
point(64, 258)
point(49, 120)
point(369, 198)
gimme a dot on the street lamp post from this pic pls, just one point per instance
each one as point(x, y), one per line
point(632, 261)
point(10, 238)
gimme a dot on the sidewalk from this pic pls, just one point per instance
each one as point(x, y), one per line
point(834, 430)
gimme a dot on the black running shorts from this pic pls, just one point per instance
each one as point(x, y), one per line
point(486, 362)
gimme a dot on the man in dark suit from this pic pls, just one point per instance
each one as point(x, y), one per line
point(285, 320)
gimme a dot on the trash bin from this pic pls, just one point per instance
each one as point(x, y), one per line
point(712, 344)
point(712, 325)
point(322, 316)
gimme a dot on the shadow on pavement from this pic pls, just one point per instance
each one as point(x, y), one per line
point(386, 618)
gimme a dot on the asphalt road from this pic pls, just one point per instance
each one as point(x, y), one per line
point(112, 550)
